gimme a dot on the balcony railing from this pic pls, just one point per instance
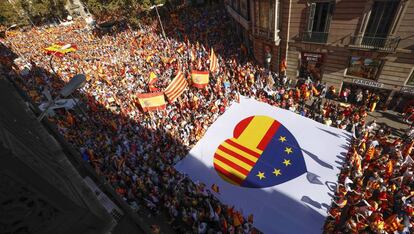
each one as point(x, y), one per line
point(264, 33)
point(316, 37)
point(388, 44)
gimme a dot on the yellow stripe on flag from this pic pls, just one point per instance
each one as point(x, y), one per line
point(152, 101)
point(233, 159)
point(200, 78)
point(254, 132)
point(229, 169)
point(241, 152)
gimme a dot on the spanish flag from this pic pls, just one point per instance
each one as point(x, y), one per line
point(176, 87)
point(60, 49)
point(152, 101)
point(200, 79)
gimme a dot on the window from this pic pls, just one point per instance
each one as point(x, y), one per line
point(264, 16)
point(320, 16)
point(363, 67)
point(318, 22)
point(381, 18)
point(410, 80)
point(244, 9)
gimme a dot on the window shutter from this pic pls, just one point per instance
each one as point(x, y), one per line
point(330, 13)
point(311, 16)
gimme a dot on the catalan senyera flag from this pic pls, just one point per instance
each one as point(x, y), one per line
point(176, 87)
point(213, 61)
point(58, 50)
point(271, 163)
point(152, 101)
point(200, 78)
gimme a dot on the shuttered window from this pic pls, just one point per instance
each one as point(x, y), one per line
point(381, 18)
point(319, 16)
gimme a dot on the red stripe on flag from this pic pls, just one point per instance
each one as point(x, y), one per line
point(231, 164)
point(268, 136)
point(153, 108)
point(238, 130)
point(228, 175)
point(240, 147)
point(174, 86)
point(179, 91)
point(236, 155)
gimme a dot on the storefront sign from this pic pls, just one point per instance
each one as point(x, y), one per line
point(406, 89)
point(369, 83)
point(311, 65)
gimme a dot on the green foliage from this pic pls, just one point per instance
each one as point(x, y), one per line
point(9, 14)
point(121, 8)
point(42, 10)
point(37, 11)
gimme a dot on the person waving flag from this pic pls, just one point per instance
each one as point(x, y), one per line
point(213, 61)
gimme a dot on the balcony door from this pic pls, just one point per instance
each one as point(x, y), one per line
point(380, 21)
point(319, 20)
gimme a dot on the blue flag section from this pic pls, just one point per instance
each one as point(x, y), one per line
point(260, 158)
point(281, 161)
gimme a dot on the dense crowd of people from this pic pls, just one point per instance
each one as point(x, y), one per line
point(135, 150)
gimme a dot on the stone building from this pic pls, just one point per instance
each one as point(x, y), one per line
point(357, 44)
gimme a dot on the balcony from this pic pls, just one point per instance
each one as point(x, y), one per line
point(388, 44)
point(314, 37)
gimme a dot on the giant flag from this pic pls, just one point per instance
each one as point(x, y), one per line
point(272, 163)
point(176, 87)
point(200, 78)
point(152, 101)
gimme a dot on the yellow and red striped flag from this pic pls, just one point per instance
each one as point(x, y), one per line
point(176, 87)
point(60, 49)
point(213, 61)
point(200, 78)
point(152, 101)
point(193, 55)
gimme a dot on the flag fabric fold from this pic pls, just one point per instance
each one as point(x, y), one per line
point(260, 157)
point(152, 101)
point(200, 78)
point(213, 62)
point(59, 49)
point(176, 87)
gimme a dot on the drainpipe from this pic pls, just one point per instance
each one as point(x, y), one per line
point(279, 26)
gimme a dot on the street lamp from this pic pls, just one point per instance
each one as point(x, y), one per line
point(78, 81)
point(159, 18)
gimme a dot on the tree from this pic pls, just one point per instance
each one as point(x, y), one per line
point(41, 11)
point(9, 14)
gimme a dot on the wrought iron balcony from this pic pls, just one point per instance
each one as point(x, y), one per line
point(315, 37)
point(388, 44)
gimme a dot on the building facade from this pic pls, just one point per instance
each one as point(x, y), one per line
point(356, 44)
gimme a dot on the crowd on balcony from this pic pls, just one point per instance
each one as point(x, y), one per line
point(136, 151)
